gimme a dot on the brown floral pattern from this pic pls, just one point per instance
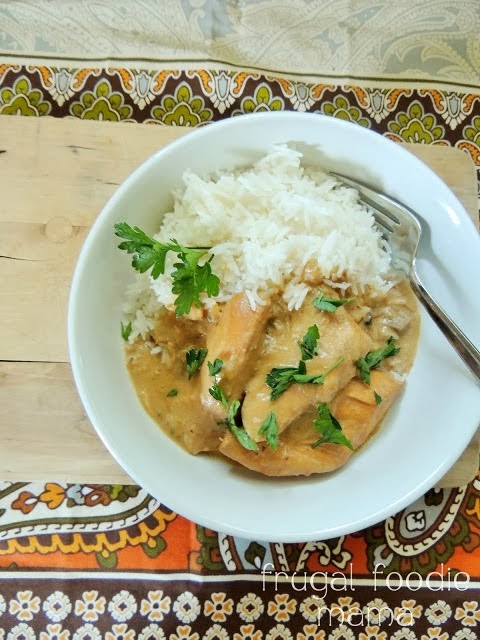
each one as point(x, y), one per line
point(106, 609)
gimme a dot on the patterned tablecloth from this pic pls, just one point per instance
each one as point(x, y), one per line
point(108, 561)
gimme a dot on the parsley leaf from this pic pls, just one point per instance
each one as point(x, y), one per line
point(279, 379)
point(215, 390)
point(315, 378)
point(189, 278)
point(243, 437)
point(378, 398)
point(219, 394)
point(172, 393)
point(126, 330)
point(147, 251)
point(324, 303)
point(215, 367)
point(330, 428)
point(374, 358)
point(269, 428)
point(308, 344)
point(239, 432)
point(194, 360)
point(232, 408)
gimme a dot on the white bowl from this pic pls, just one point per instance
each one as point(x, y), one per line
point(423, 434)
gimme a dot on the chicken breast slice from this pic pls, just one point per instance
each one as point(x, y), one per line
point(237, 339)
point(199, 432)
point(340, 337)
point(354, 407)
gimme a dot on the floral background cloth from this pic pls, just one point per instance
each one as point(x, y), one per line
point(88, 562)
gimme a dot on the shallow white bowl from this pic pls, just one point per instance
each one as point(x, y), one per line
point(423, 434)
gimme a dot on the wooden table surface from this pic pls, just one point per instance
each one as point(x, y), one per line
point(56, 175)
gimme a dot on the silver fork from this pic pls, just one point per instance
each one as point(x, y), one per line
point(402, 230)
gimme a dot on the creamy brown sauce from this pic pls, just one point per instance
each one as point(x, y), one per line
point(156, 375)
point(396, 314)
point(188, 416)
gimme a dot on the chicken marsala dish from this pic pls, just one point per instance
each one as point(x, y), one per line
point(279, 347)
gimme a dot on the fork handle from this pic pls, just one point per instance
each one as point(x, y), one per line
point(459, 341)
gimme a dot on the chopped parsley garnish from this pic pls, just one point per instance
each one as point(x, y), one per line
point(330, 428)
point(172, 393)
point(378, 398)
point(279, 379)
point(269, 429)
point(215, 367)
point(190, 279)
point(194, 360)
point(238, 432)
point(215, 390)
point(324, 303)
point(126, 330)
point(232, 409)
point(374, 358)
point(308, 345)
point(315, 378)
point(219, 394)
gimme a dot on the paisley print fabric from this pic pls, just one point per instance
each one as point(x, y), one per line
point(103, 561)
point(343, 40)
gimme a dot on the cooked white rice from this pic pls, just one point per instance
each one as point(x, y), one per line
point(264, 224)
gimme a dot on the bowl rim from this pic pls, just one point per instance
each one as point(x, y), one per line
point(181, 505)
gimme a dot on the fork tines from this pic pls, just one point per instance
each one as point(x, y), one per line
point(382, 206)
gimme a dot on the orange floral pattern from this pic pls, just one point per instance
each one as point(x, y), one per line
point(282, 607)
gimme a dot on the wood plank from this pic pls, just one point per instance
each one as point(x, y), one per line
point(57, 174)
point(456, 169)
point(71, 168)
point(465, 468)
point(44, 431)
